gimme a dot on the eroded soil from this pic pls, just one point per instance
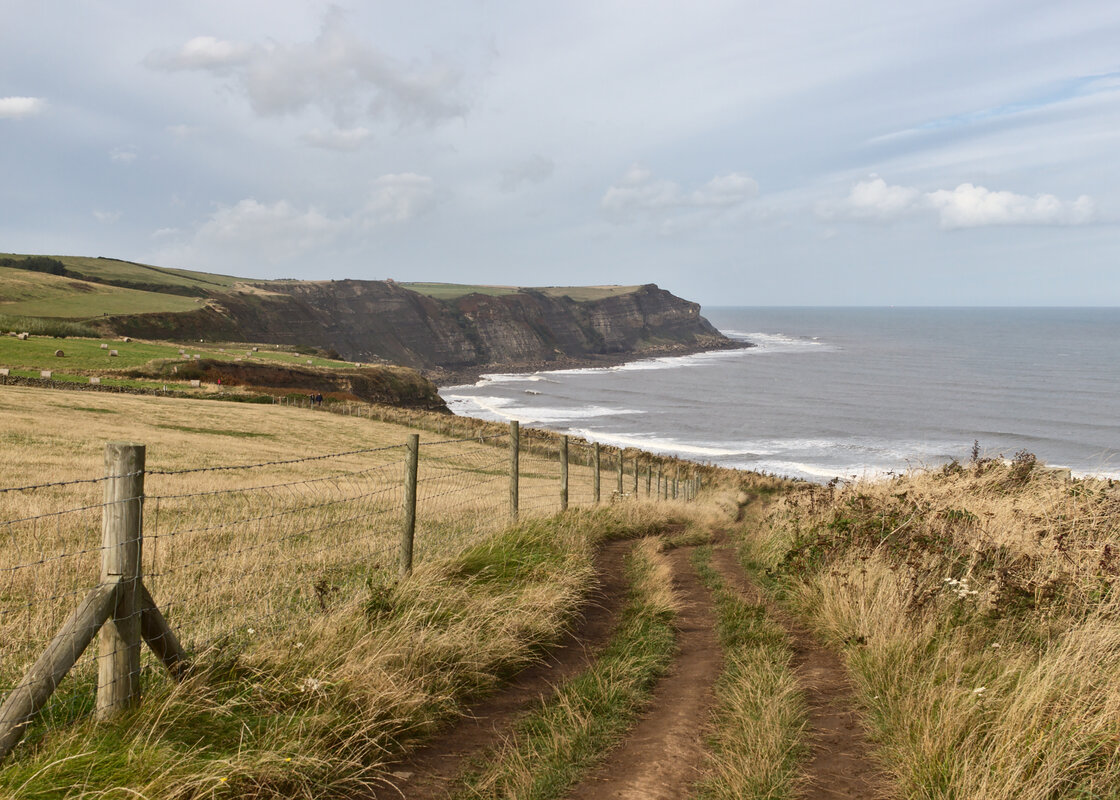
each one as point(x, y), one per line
point(662, 756)
point(429, 773)
point(840, 765)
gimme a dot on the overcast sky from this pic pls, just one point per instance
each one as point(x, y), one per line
point(753, 153)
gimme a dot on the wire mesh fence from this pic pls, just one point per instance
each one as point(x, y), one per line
point(252, 549)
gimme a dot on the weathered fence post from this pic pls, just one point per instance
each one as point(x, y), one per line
point(649, 478)
point(514, 466)
point(564, 473)
point(658, 496)
point(676, 481)
point(635, 477)
point(620, 468)
point(118, 671)
point(597, 478)
point(408, 531)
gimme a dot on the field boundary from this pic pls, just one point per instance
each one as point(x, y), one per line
point(351, 504)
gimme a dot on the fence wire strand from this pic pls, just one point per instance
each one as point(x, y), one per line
point(254, 549)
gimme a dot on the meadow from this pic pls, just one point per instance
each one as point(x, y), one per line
point(976, 607)
point(973, 608)
point(263, 528)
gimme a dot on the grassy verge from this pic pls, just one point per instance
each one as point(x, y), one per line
point(756, 745)
point(556, 744)
point(316, 710)
point(977, 610)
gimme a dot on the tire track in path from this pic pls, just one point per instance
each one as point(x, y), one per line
point(840, 765)
point(663, 754)
point(429, 772)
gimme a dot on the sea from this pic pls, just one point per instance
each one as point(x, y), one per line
point(847, 393)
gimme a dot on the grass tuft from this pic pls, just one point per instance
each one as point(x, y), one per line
point(568, 734)
point(756, 745)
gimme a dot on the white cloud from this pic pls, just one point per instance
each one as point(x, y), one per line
point(535, 169)
point(339, 74)
point(280, 232)
point(123, 155)
point(343, 139)
point(874, 199)
point(21, 107)
point(970, 206)
point(638, 194)
point(966, 206)
point(399, 198)
point(276, 232)
point(106, 217)
point(202, 52)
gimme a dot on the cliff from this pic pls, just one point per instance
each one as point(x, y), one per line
point(383, 321)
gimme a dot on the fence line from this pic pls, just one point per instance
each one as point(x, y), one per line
point(192, 557)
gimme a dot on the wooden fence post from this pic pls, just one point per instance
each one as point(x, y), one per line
point(635, 477)
point(118, 670)
point(51, 667)
point(514, 467)
point(620, 468)
point(649, 477)
point(597, 477)
point(564, 473)
point(408, 531)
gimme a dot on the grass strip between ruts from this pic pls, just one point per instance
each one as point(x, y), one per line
point(553, 747)
point(756, 744)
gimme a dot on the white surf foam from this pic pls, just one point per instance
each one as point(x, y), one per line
point(503, 409)
point(658, 444)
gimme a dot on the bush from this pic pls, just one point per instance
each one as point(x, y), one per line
point(36, 264)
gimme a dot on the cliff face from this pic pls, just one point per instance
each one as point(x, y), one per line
point(376, 320)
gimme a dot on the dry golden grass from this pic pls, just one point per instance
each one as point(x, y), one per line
point(978, 610)
point(270, 575)
point(226, 549)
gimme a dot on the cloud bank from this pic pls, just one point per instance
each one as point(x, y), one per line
point(638, 195)
point(966, 206)
point(338, 74)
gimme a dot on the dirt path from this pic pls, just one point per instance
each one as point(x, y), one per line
point(661, 757)
point(840, 765)
point(429, 772)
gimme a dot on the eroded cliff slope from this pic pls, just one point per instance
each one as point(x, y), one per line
point(381, 320)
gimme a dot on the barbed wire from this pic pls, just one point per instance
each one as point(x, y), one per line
point(278, 463)
point(74, 482)
point(231, 559)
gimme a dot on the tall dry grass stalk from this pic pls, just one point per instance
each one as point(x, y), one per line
point(313, 664)
point(978, 610)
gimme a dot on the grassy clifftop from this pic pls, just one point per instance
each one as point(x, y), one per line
point(446, 328)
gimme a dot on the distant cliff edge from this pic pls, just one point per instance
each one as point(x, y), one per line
point(445, 335)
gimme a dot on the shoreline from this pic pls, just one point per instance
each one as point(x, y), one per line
point(445, 379)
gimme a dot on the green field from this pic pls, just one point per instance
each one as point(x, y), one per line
point(84, 357)
point(110, 269)
point(585, 293)
point(37, 294)
point(451, 291)
point(125, 288)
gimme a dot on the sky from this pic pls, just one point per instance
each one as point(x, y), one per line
point(736, 153)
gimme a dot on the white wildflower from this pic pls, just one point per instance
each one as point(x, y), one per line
point(980, 690)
